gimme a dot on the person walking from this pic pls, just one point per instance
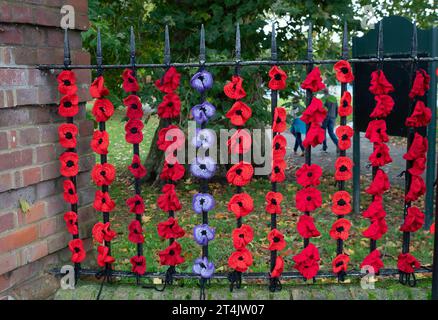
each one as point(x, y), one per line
point(298, 128)
point(329, 123)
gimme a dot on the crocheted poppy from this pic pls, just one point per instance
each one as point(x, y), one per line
point(375, 210)
point(373, 260)
point(203, 168)
point(102, 110)
point(376, 230)
point(203, 202)
point(345, 108)
point(341, 203)
point(279, 144)
point(407, 263)
point(314, 136)
point(170, 107)
point(70, 194)
point(102, 232)
point(344, 134)
point(380, 156)
point(135, 204)
point(168, 200)
point(343, 71)
point(68, 105)
point(134, 107)
point(100, 142)
point(103, 174)
point(169, 82)
point(76, 247)
point(340, 263)
point(340, 229)
point(171, 256)
point(203, 233)
point(242, 236)
point(240, 142)
point(376, 131)
point(98, 89)
point(170, 136)
point(135, 232)
point(308, 199)
point(133, 129)
point(313, 81)
point(240, 260)
point(379, 83)
point(240, 174)
point(67, 133)
point(67, 82)
point(420, 117)
point(170, 229)
point(279, 267)
point(307, 261)
point(414, 220)
point(279, 122)
point(103, 257)
point(276, 240)
point(432, 228)
point(416, 189)
point(308, 175)
point(418, 167)
point(344, 169)
point(202, 267)
point(277, 173)
point(273, 202)
point(315, 112)
point(203, 112)
point(202, 81)
point(71, 219)
point(278, 78)
point(138, 264)
point(418, 148)
point(204, 138)
point(130, 83)
point(379, 185)
point(234, 89)
point(69, 164)
point(103, 202)
point(421, 84)
point(136, 168)
point(306, 227)
point(239, 113)
point(241, 204)
point(384, 106)
point(172, 172)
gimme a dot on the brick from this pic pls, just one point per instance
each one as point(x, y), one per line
point(35, 213)
point(45, 153)
point(34, 36)
point(5, 55)
point(81, 57)
point(16, 159)
point(13, 139)
point(31, 176)
point(18, 238)
point(50, 226)
point(50, 171)
point(27, 96)
point(3, 140)
point(46, 188)
point(87, 162)
point(55, 38)
point(55, 205)
point(86, 128)
point(21, 14)
point(48, 95)
point(33, 252)
point(8, 262)
point(49, 133)
point(7, 221)
point(50, 55)
point(44, 16)
point(25, 55)
point(10, 34)
point(11, 198)
point(6, 182)
point(28, 136)
point(58, 241)
point(13, 77)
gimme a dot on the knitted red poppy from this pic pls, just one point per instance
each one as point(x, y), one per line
point(307, 261)
point(102, 110)
point(279, 267)
point(170, 136)
point(414, 220)
point(407, 263)
point(133, 131)
point(379, 83)
point(242, 236)
point(67, 133)
point(416, 189)
point(130, 83)
point(376, 131)
point(340, 229)
point(345, 108)
point(240, 174)
point(308, 175)
point(168, 200)
point(273, 202)
point(421, 84)
point(380, 156)
point(103, 174)
point(340, 263)
point(103, 202)
point(314, 136)
point(373, 260)
point(418, 167)
point(169, 82)
point(344, 134)
point(240, 260)
point(69, 164)
point(276, 240)
point(102, 232)
point(234, 89)
point(98, 89)
point(134, 108)
point(71, 219)
point(279, 121)
point(239, 113)
point(136, 168)
point(376, 230)
point(375, 210)
point(170, 107)
point(384, 106)
point(432, 228)
point(341, 203)
point(343, 71)
point(171, 256)
point(135, 204)
point(308, 199)
point(76, 247)
point(379, 185)
point(70, 194)
point(279, 144)
point(306, 227)
point(170, 229)
point(100, 142)
point(172, 172)
point(420, 117)
point(343, 169)
point(278, 78)
point(418, 148)
point(315, 112)
point(313, 81)
point(138, 264)
point(241, 204)
point(135, 232)
point(240, 142)
point(68, 105)
point(103, 257)
point(277, 173)
point(67, 82)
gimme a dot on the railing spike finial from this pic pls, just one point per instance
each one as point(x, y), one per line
point(414, 49)
point(202, 45)
point(310, 42)
point(274, 55)
point(99, 58)
point(345, 41)
point(380, 41)
point(166, 45)
point(238, 46)
point(67, 58)
point(132, 45)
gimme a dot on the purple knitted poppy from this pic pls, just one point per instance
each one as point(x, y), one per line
point(203, 202)
point(203, 233)
point(201, 81)
point(203, 112)
point(204, 138)
point(203, 268)
point(203, 168)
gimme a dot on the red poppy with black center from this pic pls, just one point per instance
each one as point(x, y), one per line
point(315, 136)
point(170, 229)
point(273, 202)
point(345, 108)
point(308, 175)
point(240, 260)
point(134, 108)
point(169, 82)
point(407, 263)
point(315, 112)
point(276, 240)
point(136, 168)
point(138, 264)
point(71, 219)
point(374, 261)
point(279, 123)
point(103, 202)
point(67, 133)
point(420, 117)
point(98, 89)
point(171, 256)
point(379, 83)
point(379, 185)
point(135, 204)
point(100, 142)
point(414, 220)
point(168, 200)
point(376, 131)
point(241, 204)
point(277, 173)
point(418, 148)
point(68, 106)
point(242, 236)
point(70, 194)
point(239, 113)
point(103, 257)
point(308, 199)
point(375, 210)
point(67, 82)
point(240, 142)
point(380, 156)
point(234, 89)
point(279, 267)
point(384, 106)
point(133, 129)
point(343, 71)
point(279, 144)
point(278, 78)
point(170, 107)
point(76, 247)
point(418, 166)
point(130, 83)
point(69, 164)
point(307, 261)
point(344, 134)
point(240, 174)
point(340, 263)
point(103, 174)
point(102, 110)
point(172, 172)
point(344, 169)
point(416, 189)
point(376, 230)
point(306, 227)
point(421, 84)
point(135, 232)
point(313, 81)
point(102, 232)
point(341, 203)
point(340, 229)
point(176, 138)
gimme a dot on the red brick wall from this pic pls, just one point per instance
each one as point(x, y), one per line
point(32, 242)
